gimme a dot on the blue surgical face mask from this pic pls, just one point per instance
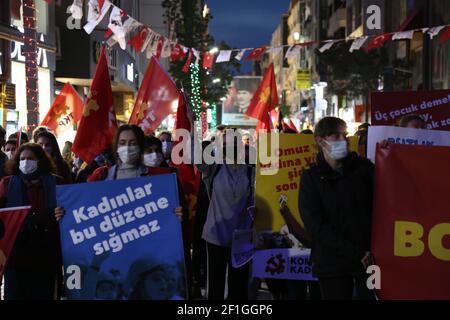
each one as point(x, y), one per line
point(339, 149)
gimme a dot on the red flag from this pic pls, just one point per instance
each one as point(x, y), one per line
point(265, 98)
point(48, 1)
point(156, 98)
point(291, 125)
point(265, 123)
point(177, 52)
point(379, 41)
point(256, 53)
point(65, 111)
point(15, 9)
point(161, 41)
point(445, 35)
point(11, 219)
point(208, 59)
point(187, 173)
point(100, 4)
point(188, 62)
point(138, 40)
point(98, 123)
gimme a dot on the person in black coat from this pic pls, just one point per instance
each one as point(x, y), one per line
point(335, 203)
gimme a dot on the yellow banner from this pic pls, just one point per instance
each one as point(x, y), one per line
point(296, 153)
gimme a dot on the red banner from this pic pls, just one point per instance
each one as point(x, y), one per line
point(411, 222)
point(434, 107)
point(12, 220)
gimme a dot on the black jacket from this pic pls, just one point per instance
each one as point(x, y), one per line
point(336, 208)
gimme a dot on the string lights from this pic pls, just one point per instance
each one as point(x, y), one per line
point(196, 102)
point(31, 66)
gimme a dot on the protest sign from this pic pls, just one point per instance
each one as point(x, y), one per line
point(122, 240)
point(292, 264)
point(433, 106)
point(409, 136)
point(411, 222)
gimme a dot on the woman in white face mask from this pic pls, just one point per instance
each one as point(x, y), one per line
point(34, 263)
point(128, 145)
point(153, 154)
point(167, 144)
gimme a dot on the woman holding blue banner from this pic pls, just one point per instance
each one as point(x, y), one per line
point(128, 148)
point(35, 260)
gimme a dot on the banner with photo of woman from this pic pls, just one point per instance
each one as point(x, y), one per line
point(121, 240)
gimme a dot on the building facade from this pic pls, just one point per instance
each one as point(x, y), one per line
point(13, 104)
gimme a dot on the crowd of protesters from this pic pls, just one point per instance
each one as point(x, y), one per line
point(335, 202)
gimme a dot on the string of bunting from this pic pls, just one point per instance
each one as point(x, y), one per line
point(143, 39)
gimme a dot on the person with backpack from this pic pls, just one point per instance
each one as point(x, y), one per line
point(229, 186)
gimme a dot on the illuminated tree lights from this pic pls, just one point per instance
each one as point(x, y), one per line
point(196, 101)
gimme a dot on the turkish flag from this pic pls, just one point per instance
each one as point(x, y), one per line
point(292, 125)
point(256, 53)
point(98, 123)
point(379, 41)
point(187, 64)
point(100, 4)
point(159, 47)
point(265, 98)
point(445, 35)
point(138, 40)
point(65, 112)
point(156, 98)
point(208, 59)
point(177, 52)
point(11, 220)
point(15, 9)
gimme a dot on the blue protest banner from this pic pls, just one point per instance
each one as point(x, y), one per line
point(122, 240)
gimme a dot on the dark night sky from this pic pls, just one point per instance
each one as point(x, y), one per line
point(245, 23)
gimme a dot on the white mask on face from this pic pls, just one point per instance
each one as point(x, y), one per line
point(153, 159)
point(128, 154)
point(28, 166)
point(167, 148)
point(339, 149)
point(9, 154)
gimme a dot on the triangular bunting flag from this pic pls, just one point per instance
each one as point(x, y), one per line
point(224, 56)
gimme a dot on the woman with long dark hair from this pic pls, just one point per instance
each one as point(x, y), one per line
point(50, 145)
point(35, 260)
point(128, 148)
